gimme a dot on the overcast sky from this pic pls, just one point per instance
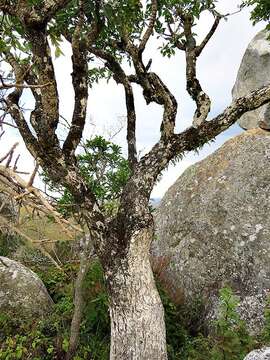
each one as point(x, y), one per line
point(217, 70)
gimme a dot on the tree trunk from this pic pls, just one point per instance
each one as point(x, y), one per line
point(137, 316)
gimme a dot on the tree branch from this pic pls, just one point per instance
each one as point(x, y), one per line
point(51, 7)
point(9, 152)
point(80, 85)
point(193, 85)
point(170, 105)
point(122, 78)
point(49, 116)
point(22, 86)
point(34, 15)
point(154, 90)
point(150, 28)
point(131, 125)
point(193, 138)
point(80, 46)
point(86, 256)
point(200, 47)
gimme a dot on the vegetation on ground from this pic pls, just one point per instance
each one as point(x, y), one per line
point(48, 338)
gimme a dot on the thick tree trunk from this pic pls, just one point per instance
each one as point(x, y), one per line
point(137, 316)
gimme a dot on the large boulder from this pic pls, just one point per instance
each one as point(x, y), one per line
point(213, 229)
point(263, 354)
point(253, 73)
point(22, 293)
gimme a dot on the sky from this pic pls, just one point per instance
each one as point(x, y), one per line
point(217, 71)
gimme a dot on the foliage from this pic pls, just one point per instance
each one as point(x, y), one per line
point(105, 170)
point(230, 331)
point(261, 10)
point(229, 339)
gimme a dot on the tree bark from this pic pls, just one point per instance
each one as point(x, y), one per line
point(137, 316)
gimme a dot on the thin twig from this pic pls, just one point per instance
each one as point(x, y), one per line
point(9, 152)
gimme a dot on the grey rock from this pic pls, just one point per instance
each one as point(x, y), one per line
point(253, 73)
point(213, 229)
point(22, 293)
point(262, 354)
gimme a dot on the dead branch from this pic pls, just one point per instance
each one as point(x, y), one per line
point(28, 239)
point(33, 175)
point(9, 153)
point(19, 189)
point(150, 28)
point(4, 85)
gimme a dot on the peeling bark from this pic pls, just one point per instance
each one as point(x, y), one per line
point(137, 316)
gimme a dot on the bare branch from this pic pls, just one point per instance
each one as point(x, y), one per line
point(193, 85)
point(150, 28)
point(194, 138)
point(28, 239)
point(9, 152)
point(195, 90)
point(33, 175)
point(13, 108)
point(23, 86)
point(16, 163)
point(80, 46)
point(170, 105)
point(49, 116)
point(80, 85)
point(200, 47)
point(21, 191)
point(29, 139)
point(131, 125)
point(7, 124)
point(121, 77)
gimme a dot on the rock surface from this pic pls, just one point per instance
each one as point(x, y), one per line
point(213, 229)
point(263, 354)
point(22, 293)
point(253, 73)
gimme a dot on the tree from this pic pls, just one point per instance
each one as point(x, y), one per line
point(118, 33)
point(261, 10)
